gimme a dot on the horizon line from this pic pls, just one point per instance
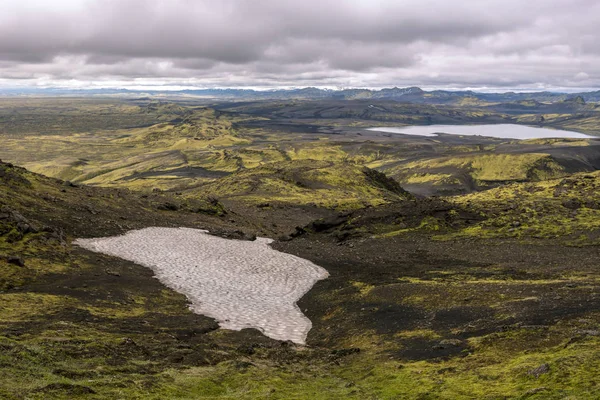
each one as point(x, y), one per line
point(177, 88)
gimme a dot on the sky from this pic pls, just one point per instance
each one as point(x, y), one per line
point(488, 45)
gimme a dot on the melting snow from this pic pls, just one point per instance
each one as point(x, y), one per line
point(242, 284)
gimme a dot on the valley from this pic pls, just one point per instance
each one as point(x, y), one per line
point(458, 267)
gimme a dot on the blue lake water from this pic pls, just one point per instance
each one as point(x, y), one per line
point(504, 131)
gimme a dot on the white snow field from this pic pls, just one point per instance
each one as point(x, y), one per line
point(242, 284)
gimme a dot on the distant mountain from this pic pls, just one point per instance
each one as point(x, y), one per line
point(409, 95)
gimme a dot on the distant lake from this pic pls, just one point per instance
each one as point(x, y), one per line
point(503, 131)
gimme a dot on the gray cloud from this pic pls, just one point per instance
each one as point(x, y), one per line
point(432, 43)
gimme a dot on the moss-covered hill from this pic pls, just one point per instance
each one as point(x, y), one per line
point(328, 184)
point(401, 316)
point(144, 144)
point(75, 324)
point(564, 210)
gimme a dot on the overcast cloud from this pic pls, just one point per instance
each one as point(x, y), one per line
point(501, 44)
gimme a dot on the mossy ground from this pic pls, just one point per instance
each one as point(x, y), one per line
point(565, 209)
point(149, 144)
point(93, 330)
point(327, 184)
point(458, 320)
point(492, 295)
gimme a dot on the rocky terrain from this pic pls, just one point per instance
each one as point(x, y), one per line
point(489, 294)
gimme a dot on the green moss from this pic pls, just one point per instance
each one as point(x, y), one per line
point(327, 184)
point(363, 288)
point(14, 235)
point(23, 306)
point(427, 224)
point(541, 210)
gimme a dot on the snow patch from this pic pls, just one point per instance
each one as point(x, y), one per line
point(242, 284)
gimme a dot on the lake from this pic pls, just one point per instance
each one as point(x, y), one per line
point(503, 131)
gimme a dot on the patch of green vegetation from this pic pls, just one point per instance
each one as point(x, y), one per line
point(24, 306)
point(427, 224)
point(198, 137)
point(322, 183)
point(558, 142)
point(488, 374)
point(488, 167)
point(560, 208)
point(435, 179)
point(318, 151)
point(363, 288)
point(505, 167)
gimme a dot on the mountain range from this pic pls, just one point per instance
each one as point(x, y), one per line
point(409, 94)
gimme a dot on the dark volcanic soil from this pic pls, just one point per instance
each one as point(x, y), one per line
point(381, 295)
point(459, 289)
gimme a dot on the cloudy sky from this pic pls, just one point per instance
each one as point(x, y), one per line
point(483, 44)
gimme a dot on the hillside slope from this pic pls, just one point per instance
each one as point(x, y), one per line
point(328, 184)
point(402, 315)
